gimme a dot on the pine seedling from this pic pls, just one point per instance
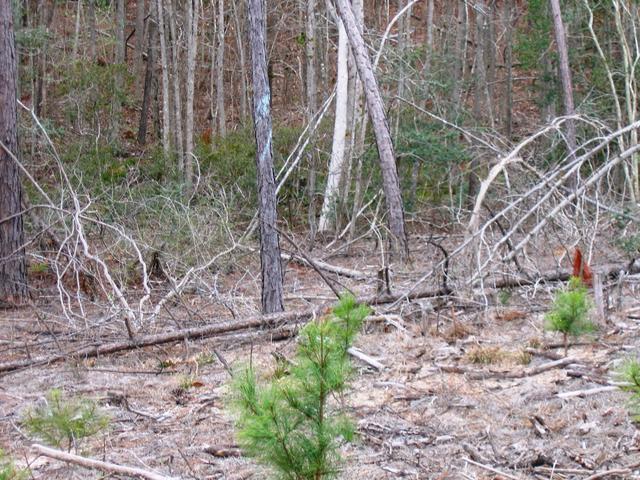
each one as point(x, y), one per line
point(8, 470)
point(64, 421)
point(629, 373)
point(570, 312)
point(290, 422)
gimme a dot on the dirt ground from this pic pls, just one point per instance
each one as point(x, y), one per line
point(461, 395)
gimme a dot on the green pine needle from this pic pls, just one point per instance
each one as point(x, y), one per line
point(629, 372)
point(289, 422)
point(63, 421)
point(570, 312)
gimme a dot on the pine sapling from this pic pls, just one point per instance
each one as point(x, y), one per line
point(292, 422)
point(8, 470)
point(62, 421)
point(570, 312)
point(629, 373)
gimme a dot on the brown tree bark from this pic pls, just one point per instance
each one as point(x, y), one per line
point(119, 59)
point(272, 295)
point(386, 152)
point(565, 73)
point(148, 81)
point(139, 57)
point(508, 60)
point(13, 278)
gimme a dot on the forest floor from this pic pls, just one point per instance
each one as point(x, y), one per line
point(461, 395)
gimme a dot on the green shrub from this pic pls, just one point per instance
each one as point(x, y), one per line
point(288, 422)
point(630, 244)
point(570, 312)
point(8, 470)
point(64, 421)
point(630, 373)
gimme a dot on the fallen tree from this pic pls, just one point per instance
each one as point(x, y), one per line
point(274, 321)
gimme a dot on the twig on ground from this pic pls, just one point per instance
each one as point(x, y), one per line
point(98, 465)
point(490, 469)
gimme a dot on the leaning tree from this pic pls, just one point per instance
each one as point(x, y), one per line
point(13, 281)
point(390, 182)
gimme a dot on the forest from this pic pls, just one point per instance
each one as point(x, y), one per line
point(307, 239)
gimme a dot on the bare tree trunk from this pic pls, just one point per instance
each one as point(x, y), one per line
point(178, 131)
point(490, 57)
point(272, 290)
point(148, 81)
point(222, 125)
point(565, 76)
point(192, 50)
point(428, 39)
point(508, 60)
point(164, 61)
point(336, 165)
point(139, 63)
point(13, 270)
point(630, 53)
point(119, 59)
point(403, 35)
point(312, 106)
point(46, 11)
point(386, 152)
point(92, 29)
point(76, 35)
point(359, 129)
point(480, 103)
point(241, 60)
point(459, 55)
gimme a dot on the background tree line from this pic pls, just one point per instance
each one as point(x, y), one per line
point(151, 100)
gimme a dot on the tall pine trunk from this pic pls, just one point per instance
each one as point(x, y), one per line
point(565, 77)
point(272, 295)
point(13, 278)
point(220, 106)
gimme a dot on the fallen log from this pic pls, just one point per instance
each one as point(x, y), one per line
point(270, 321)
point(610, 271)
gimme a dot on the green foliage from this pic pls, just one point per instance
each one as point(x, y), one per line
point(504, 296)
point(437, 150)
point(91, 89)
point(32, 39)
point(532, 44)
point(64, 421)
point(230, 160)
point(630, 244)
point(630, 373)
point(570, 312)
point(8, 470)
point(230, 163)
point(288, 422)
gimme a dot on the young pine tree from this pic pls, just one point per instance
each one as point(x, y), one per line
point(570, 312)
point(290, 422)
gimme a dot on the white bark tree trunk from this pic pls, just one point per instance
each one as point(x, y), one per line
point(391, 184)
point(192, 14)
point(164, 65)
point(176, 71)
point(220, 107)
point(312, 106)
point(336, 165)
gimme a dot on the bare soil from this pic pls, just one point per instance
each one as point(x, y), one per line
point(458, 397)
